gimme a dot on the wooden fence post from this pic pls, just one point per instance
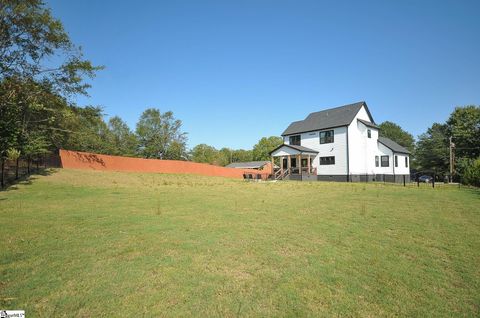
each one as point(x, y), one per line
point(16, 168)
point(2, 180)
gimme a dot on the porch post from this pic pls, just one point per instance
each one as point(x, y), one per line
point(308, 164)
point(289, 162)
point(273, 170)
point(281, 164)
point(299, 163)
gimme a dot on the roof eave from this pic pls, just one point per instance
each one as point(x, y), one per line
point(368, 124)
point(289, 146)
point(393, 150)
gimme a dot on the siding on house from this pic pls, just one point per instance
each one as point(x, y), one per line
point(337, 149)
point(359, 153)
point(384, 151)
point(401, 169)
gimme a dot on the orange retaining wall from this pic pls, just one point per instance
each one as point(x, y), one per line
point(91, 161)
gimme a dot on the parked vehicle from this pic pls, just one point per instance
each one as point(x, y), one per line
point(425, 179)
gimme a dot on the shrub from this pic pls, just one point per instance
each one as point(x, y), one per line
point(13, 154)
point(471, 174)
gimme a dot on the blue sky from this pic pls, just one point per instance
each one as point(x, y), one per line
point(234, 71)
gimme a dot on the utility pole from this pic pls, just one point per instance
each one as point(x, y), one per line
point(452, 157)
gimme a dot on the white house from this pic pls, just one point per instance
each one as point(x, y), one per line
point(340, 144)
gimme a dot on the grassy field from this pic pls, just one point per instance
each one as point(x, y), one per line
point(85, 243)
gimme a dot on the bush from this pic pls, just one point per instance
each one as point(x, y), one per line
point(471, 174)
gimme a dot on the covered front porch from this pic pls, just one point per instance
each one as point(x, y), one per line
point(295, 162)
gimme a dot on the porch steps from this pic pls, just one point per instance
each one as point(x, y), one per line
point(279, 175)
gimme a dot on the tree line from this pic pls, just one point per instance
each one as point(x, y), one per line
point(431, 152)
point(222, 157)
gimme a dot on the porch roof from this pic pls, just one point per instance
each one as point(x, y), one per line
point(293, 149)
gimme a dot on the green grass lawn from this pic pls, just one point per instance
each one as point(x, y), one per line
point(87, 244)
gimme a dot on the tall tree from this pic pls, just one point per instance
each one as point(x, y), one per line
point(124, 140)
point(29, 37)
point(394, 132)
point(204, 153)
point(30, 125)
point(261, 151)
point(160, 135)
point(432, 149)
point(9, 119)
point(88, 131)
point(242, 155)
point(463, 126)
point(177, 151)
point(38, 65)
point(225, 156)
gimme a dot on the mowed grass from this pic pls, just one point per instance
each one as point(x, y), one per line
point(88, 244)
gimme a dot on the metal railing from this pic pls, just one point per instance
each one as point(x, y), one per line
point(13, 171)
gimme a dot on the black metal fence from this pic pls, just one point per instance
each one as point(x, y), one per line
point(14, 170)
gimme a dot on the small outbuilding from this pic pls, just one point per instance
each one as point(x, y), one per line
point(257, 165)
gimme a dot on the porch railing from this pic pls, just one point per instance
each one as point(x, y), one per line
point(282, 174)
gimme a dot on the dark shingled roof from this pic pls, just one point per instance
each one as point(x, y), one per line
point(367, 123)
point(329, 118)
point(392, 145)
point(247, 165)
point(299, 148)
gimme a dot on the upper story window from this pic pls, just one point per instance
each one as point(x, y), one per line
point(327, 160)
point(369, 133)
point(326, 137)
point(396, 161)
point(385, 161)
point(406, 162)
point(294, 140)
point(377, 161)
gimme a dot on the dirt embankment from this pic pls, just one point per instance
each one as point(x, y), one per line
point(91, 161)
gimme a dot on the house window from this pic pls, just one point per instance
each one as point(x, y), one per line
point(377, 161)
point(396, 161)
point(385, 161)
point(406, 162)
point(327, 160)
point(326, 137)
point(369, 133)
point(295, 140)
